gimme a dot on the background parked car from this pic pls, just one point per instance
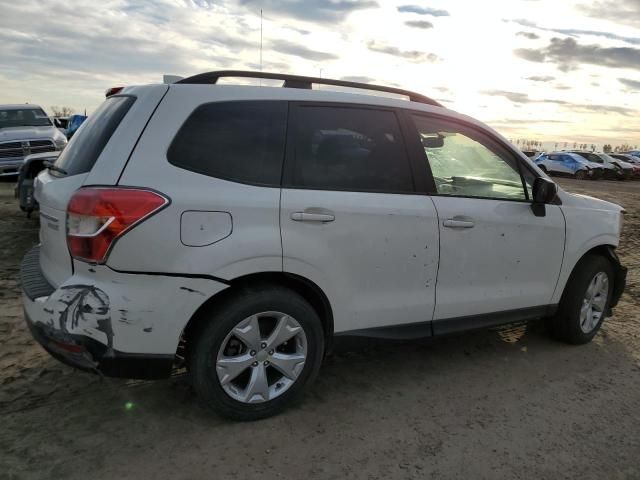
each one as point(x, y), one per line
point(610, 170)
point(532, 154)
point(626, 158)
point(634, 153)
point(568, 165)
point(60, 122)
point(629, 169)
point(74, 124)
point(25, 129)
point(31, 166)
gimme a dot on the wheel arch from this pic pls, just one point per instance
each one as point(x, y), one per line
point(607, 251)
point(301, 285)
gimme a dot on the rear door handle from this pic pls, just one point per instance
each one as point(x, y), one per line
point(312, 217)
point(458, 222)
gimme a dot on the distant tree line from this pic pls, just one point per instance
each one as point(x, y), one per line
point(62, 111)
point(625, 147)
point(526, 144)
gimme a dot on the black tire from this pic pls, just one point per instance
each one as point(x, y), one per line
point(581, 175)
point(543, 168)
point(223, 319)
point(565, 325)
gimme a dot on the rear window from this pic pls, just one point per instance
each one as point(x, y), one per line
point(86, 145)
point(238, 141)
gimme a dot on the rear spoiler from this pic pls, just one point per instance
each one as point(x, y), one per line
point(112, 91)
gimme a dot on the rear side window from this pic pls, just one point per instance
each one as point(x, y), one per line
point(85, 147)
point(345, 148)
point(237, 141)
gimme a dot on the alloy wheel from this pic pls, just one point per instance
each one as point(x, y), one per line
point(261, 357)
point(594, 302)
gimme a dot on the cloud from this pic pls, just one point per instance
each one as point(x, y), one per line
point(525, 121)
point(320, 11)
point(567, 53)
point(515, 97)
point(603, 109)
point(541, 78)
point(618, 11)
point(632, 84)
point(358, 79)
point(529, 35)
point(611, 36)
point(577, 32)
point(523, 98)
point(412, 55)
point(419, 24)
point(434, 12)
point(290, 48)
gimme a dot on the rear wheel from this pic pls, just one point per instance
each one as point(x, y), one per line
point(585, 301)
point(581, 175)
point(257, 353)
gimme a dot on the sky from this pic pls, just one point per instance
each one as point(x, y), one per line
point(547, 70)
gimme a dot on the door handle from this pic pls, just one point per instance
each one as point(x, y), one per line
point(312, 217)
point(458, 222)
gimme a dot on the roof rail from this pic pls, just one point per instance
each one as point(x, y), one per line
point(297, 81)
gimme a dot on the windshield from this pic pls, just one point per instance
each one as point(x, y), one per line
point(24, 117)
point(611, 159)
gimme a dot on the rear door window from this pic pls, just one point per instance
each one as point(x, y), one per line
point(238, 141)
point(85, 147)
point(348, 148)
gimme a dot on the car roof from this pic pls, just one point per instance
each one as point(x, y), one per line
point(324, 95)
point(20, 106)
point(249, 92)
point(225, 92)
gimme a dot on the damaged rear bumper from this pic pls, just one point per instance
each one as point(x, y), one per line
point(118, 324)
point(90, 355)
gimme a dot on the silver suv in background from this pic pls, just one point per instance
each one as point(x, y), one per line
point(25, 129)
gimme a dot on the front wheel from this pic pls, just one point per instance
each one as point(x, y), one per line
point(581, 175)
point(257, 353)
point(585, 301)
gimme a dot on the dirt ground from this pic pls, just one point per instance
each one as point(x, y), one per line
point(507, 403)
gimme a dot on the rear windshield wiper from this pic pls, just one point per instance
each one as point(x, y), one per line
point(50, 165)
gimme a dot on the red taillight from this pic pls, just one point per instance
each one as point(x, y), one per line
point(97, 216)
point(112, 91)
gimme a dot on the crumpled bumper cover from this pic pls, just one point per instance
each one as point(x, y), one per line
point(119, 325)
point(90, 355)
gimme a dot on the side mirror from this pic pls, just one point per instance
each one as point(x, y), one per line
point(544, 191)
point(433, 142)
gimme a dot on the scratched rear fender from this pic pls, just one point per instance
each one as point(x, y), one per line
point(143, 314)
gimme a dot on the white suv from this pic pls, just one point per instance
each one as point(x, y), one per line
point(239, 230)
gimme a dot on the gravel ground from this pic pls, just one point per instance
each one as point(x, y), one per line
point(507, 403)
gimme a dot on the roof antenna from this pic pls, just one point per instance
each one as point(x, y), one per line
point(260, 45)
